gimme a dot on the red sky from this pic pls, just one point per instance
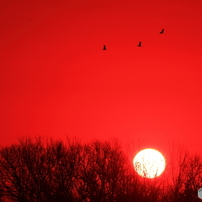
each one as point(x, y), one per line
point(56, 80)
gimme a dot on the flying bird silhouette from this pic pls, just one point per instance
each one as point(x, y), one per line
point(104, 47)
point(162, 31)
point(139, 44)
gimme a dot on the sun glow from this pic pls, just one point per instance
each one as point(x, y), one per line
point(149, 163)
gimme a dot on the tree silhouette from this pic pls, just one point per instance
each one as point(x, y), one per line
point(186, 175)
point(99, 171)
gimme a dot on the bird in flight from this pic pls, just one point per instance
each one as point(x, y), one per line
point(139, 44)
point(162, 31)
point(104, 47)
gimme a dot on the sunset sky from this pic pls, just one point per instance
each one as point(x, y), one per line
point(56, 80)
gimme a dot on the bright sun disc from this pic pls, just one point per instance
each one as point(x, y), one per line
point(149, 163)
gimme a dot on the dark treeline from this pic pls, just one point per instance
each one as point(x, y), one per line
point(54, 171)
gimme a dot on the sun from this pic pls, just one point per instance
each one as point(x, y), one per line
point(149, 163)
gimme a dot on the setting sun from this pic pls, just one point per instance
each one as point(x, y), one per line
point(149, 163)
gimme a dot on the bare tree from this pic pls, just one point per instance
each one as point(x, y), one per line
point(32, 172)
point(101, 171)
point(54, 171)
point(186, 175)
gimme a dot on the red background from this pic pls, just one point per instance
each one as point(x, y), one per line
point(56, 80)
